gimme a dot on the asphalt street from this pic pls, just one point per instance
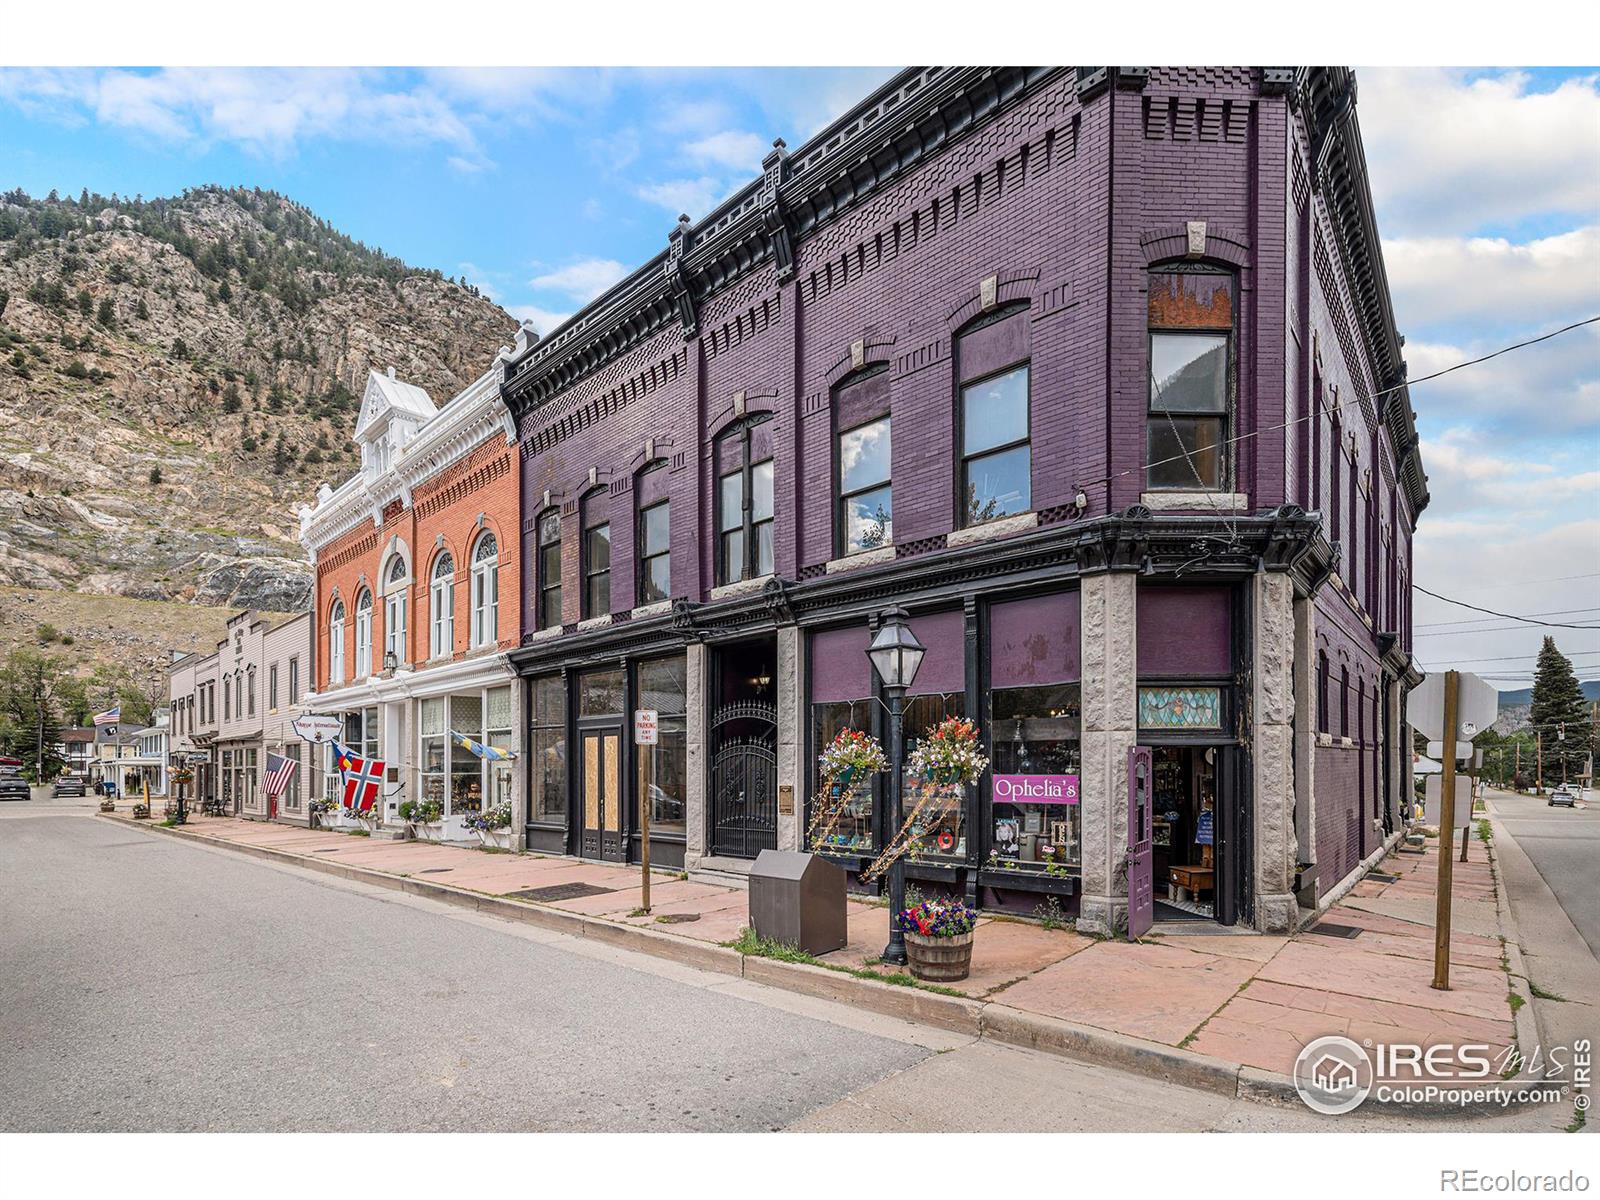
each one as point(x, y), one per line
point(151, 984)
point(1564, 847)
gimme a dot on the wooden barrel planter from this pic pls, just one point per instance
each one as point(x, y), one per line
point(939, 959)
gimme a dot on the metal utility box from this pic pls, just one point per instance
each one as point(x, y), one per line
point(798, 899)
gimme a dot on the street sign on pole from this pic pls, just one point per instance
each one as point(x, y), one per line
point(1450, 721)
point(646, 732)
point(1478, 704)
point(1463, 801)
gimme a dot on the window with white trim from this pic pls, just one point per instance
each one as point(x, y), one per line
point(395, 590)
point(442, 606)
point(486, 591)
point(363, 634)
point(335, 646)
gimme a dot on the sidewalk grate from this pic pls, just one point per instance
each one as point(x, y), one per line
point(1329, 929)
point(560, 891)
point(676, 918)
point(1382, 877)
point(435, 870)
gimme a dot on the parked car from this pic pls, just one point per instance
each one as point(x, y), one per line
point(13, 787)
point(71, 785)
point(1565, 793)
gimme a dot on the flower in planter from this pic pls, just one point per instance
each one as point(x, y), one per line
point(948, 755)
point(939, 919)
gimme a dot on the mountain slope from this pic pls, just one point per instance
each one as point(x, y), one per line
point(176, 375)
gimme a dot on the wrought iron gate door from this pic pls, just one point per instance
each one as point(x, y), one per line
point(744, 780)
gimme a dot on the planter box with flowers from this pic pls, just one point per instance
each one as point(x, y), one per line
point(108, 805)
point(426, 819)
point(939, 939)
point(493, 826)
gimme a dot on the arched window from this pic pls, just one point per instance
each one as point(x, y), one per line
point(336, 643)
point(865, 518)
point(1322, 693)
point(442, 606)
point(744, 501)
point(596, 554)
point(363, 634)
point(250, 674)
point(550, 569)
point(396, 588)
point(1191, 329)
point(486, 591)
point(1344, 702)
point(654, 523)
point(994, 417)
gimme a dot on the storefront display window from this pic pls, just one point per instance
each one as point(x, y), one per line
point(466, 768)
point(600, 694)
point(497, 731)
point(435, 743)
point(1034, 774)
point(852, 829)
point(547, 751)
point(665, 779)
point(941, 828)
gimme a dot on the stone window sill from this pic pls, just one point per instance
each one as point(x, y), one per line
point(1324, 739)
point(544, 635)
point(1194, 499)
point(990, 530)
point(743, 588)
point(861, 558)
point(599, 622)
point(1347, 743)
point(656, 609)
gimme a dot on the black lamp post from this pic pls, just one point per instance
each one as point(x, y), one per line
point(896, 654)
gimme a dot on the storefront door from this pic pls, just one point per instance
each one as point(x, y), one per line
point(600, 782)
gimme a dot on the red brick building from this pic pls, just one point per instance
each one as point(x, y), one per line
point(410, 628)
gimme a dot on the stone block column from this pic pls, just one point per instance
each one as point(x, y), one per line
point(1110, 727)
point(1272, 710)
point(791, 769)
point(1305, 729)
point(696, 717)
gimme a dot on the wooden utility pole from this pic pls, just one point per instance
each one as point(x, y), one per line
point(1447, 815)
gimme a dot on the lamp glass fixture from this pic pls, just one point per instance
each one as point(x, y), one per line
point(895, 652)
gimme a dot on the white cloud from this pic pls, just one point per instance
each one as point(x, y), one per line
point(693, 196)
point(1450, 154)
point(1482, 280)
point(731, 148)
point(1549, 388)
point(544, 320)
point(582, 280)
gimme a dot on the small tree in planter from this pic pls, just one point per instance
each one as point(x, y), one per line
point(493, 826)
point(939, 939)
point(848, 765)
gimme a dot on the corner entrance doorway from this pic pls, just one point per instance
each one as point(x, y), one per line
point(1186, 869)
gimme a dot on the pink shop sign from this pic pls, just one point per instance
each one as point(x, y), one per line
point(1035, 789)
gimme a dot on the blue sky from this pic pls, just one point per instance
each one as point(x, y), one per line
point(543, 186)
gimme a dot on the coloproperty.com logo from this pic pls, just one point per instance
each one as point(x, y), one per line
point(1336, 1074)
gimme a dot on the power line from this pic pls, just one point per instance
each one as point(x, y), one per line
point(1519, 658)
point(1558, 612)
point(1498, 629)
point(1529, 582)
point(1503, 616)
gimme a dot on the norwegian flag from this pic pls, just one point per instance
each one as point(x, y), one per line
point(362, 778)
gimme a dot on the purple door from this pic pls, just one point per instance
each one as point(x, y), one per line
point(1141, 850)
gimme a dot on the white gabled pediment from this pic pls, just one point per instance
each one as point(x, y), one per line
point(386, 397)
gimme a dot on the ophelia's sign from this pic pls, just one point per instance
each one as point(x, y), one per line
point(1180, 708)
point(1036, 789)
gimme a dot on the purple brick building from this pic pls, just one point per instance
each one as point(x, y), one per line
point(1093, 371)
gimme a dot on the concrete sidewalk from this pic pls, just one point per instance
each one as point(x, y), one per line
point(1205, 1005)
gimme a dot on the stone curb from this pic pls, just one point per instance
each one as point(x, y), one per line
point(978, 1018)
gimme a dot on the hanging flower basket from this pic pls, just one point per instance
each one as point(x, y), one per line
point(939, 940)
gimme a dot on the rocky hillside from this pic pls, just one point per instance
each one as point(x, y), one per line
point(176, 375)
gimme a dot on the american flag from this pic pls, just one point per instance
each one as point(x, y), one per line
point(279, 771)
point(110, 717)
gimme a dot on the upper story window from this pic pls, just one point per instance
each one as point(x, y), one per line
point(486, 591)
point(363, 634)
point(596, 555)
point(1191, 326)
point(655, 533)
point(335, 648)
point(294, 680)
point(442, 606)
point(865, 518)
point(744, 501)
point(250, 676)
point(227, 699)
point(272, 688)
point(396, 588)
point(995, 431)
point(550, 569)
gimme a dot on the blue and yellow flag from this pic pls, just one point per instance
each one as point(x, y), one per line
point(492, 753)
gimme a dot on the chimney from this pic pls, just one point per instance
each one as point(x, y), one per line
point(391, 371)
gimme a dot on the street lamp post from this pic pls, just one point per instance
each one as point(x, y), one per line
point(896, 654)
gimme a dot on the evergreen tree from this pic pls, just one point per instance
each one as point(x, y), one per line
point(143, 311)
point(30, 722)
point(1559, 714)
point(107, 313)
point(85, 302)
